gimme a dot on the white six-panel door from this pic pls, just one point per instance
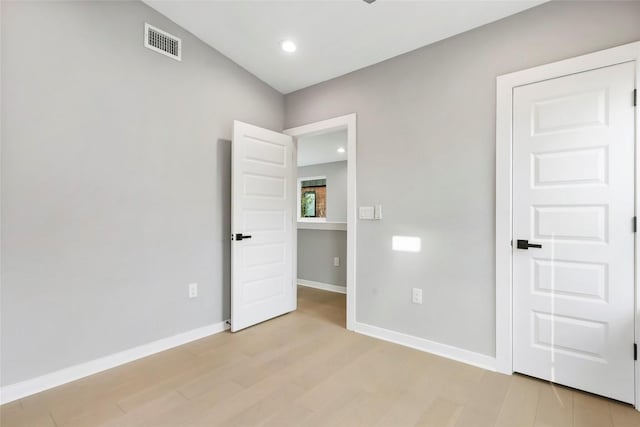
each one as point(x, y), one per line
point(262, 207)
point(573, 193)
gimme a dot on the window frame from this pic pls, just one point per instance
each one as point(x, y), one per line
point(299, 198)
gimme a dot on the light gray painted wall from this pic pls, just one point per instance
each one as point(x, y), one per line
point(336, 173)
point(426, 147)
point(115, 181)
point(316, 249)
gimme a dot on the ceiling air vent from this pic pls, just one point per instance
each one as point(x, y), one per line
point(162, 42)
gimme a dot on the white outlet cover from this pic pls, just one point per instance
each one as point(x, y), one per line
point(336, 261)
point(193, 290)
point(416, 295)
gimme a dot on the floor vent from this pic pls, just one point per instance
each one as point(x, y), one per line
point(162, 42)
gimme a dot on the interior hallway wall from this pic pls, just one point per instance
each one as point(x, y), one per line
point(336, 173)
point(316, 250)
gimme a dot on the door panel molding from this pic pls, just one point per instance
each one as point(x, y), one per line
point(504, 170)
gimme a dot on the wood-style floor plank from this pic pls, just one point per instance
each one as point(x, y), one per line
point(306, 369)
point(555, 406)
point(520, 403)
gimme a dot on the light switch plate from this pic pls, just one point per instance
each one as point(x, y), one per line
point(366, 212)
point(378, 212)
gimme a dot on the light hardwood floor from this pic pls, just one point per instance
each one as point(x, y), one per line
point(305, 369)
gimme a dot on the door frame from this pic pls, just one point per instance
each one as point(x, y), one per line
point(343, 122)
point(504, 203)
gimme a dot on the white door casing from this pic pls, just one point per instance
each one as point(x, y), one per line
point(263, 267)
point(573, 193)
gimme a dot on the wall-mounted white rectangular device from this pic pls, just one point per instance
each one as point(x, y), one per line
point(370, 212)
point(378, 212)
point(416, 296)
point(193, 290)
point(366, 212)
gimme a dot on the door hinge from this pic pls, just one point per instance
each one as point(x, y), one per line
point(635, 97)
point(635, 351)
point(635, 224)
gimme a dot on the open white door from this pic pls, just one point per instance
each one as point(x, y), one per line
point(263, 194)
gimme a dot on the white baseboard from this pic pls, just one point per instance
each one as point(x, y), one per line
point(324, 286)
point(444, 350)
point(22, 389)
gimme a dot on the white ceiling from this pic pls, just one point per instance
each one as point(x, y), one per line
point(322, 148)
point(334, 37)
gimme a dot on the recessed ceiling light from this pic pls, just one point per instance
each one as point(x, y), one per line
point(341, 150)
point(288, 46)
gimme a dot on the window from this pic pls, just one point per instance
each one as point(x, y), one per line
point(312, 196)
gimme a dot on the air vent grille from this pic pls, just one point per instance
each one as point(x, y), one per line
point(162, 42)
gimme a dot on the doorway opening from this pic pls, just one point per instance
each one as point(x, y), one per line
point(322, 224)
point(326, 203)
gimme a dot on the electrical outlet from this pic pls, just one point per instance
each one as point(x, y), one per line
point(416, 296)
point(193, 290)
point(336, 261)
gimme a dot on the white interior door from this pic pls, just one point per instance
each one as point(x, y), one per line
point(263, 225)
point(573, 194)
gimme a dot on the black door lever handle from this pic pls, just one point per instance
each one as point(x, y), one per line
point(240, 236)
point(524, 244)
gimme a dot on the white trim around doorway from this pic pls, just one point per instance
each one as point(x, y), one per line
point(504, 212)
point(343, 122)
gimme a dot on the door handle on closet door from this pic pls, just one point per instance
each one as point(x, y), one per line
point(524, 244)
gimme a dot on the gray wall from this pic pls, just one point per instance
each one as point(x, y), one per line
point(316, 249)
point(426, 147)
point(115, 181)
point(336, 173)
